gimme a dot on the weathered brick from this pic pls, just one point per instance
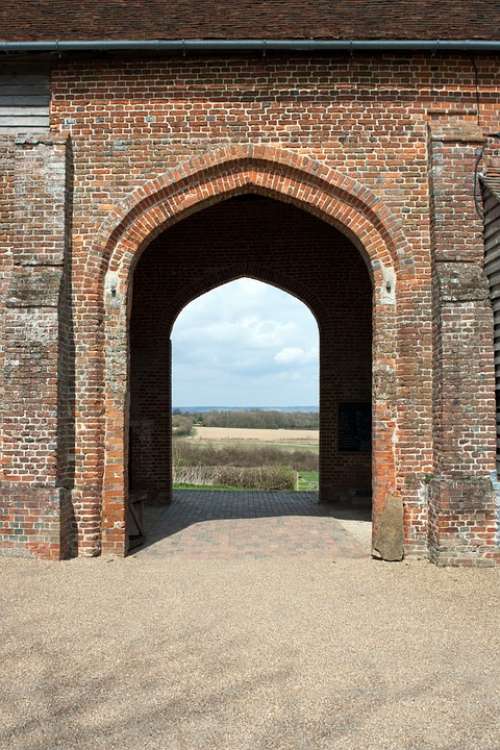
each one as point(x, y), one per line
point(384, 148)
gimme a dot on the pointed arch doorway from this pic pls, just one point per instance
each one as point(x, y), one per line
point(106, 287)
point(279, 244)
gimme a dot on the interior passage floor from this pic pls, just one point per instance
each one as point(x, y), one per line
point(215, 524)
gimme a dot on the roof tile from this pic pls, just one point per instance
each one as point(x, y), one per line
point(30, 20)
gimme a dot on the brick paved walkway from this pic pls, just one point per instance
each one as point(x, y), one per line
point(226, 525)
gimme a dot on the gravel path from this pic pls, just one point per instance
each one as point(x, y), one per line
point(179, 654)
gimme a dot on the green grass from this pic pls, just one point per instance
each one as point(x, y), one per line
point(224, 487)
point(300, 455)
point(308, 481)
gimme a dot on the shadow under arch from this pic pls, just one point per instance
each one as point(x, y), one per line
point(106, 280)
point(212, 281)
point(256, 191)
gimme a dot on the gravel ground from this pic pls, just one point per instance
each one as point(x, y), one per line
point(248, 654)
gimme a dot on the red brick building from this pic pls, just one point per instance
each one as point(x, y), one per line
point(349, 155)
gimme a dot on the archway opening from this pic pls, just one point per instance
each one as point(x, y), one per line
point(276, 243)
point(245, 385)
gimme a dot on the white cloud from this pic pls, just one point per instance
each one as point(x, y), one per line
point(248, 329)
point(296, 355)
point(245, 343)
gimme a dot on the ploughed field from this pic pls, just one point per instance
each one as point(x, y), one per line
point(247, 458)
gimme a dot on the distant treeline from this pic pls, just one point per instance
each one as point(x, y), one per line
point(272, 420)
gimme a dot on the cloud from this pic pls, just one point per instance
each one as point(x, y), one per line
point(296, 355)
point(249, 330)
point(245, 343)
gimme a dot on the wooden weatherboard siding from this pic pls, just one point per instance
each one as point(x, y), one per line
point(492, 266)
point(24, 100)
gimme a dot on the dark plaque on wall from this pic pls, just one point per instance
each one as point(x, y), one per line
point(355, 427)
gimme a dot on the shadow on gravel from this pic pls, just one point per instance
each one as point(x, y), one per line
point(157, 695)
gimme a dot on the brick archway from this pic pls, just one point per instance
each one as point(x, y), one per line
point(310, 261)
point(101, 485)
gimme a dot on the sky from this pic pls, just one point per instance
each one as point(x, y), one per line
point(245, 344)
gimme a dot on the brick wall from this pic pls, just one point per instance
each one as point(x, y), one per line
point(348, 138)
point(462, 503)
point(37, 444)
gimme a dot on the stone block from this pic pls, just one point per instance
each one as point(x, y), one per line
point(388, 534)
point(34, 287)
point(462, 282)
